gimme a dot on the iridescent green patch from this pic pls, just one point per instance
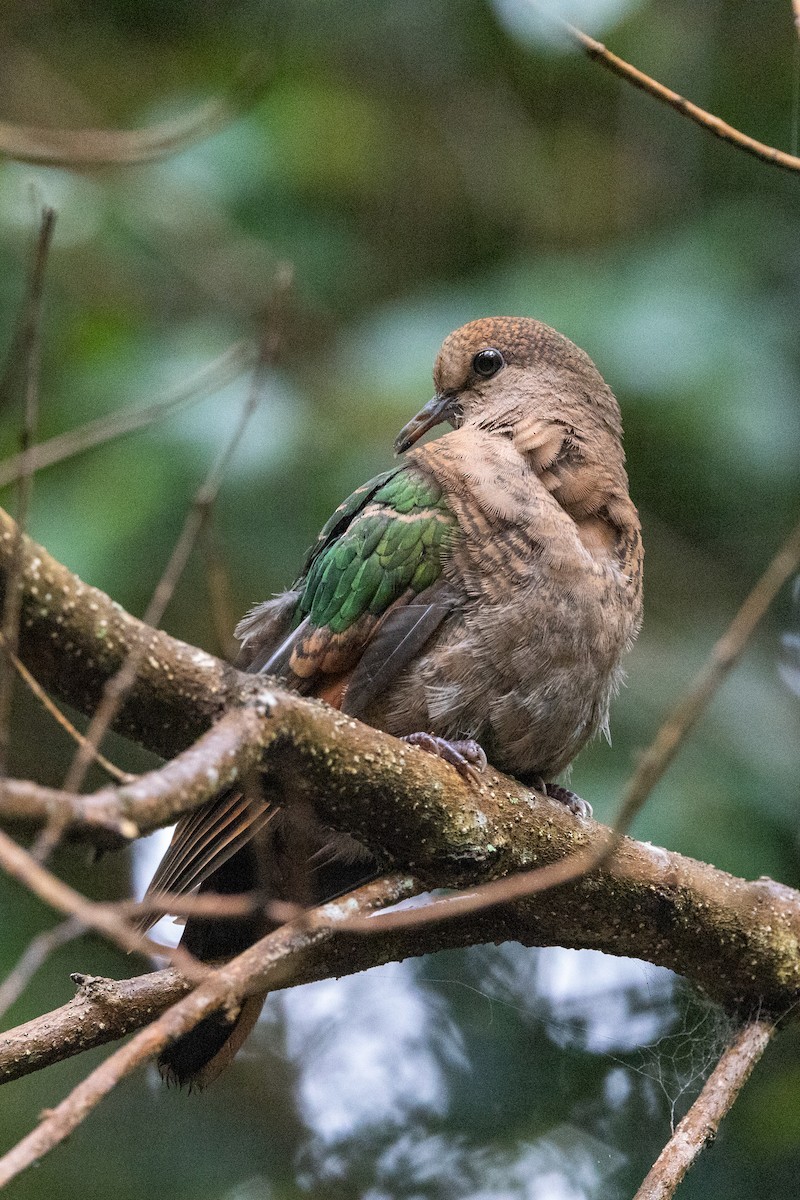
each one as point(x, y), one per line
point(386, 538)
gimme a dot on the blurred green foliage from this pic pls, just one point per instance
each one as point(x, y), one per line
point(420, 165)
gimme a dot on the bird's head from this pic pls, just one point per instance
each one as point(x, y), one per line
point(499, 371)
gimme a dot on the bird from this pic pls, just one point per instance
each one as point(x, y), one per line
point(475, 600)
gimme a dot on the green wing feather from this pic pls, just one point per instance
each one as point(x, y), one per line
point(369, 598)
point(381, 549)
point(390, 548)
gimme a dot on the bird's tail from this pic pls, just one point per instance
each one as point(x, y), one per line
point(289, 858)
point(197, 1058)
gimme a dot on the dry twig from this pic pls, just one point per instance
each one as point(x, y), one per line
point(598, 52)
point(264, 965)
point(22, 866)
point(210, 378)
point(28, 352)
point(220, 596)
point(699, 1127)
point(199, 512)
point(77, 148)
point(55, 712)
point(33, 957)
point(723, 658)
point(114, 816)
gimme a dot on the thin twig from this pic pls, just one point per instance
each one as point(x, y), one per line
point(59, 717)
point(265, 964)
point(22, 866)
point(723, 658)
point(118, 687)
point(220, 598)
point(210, 378)
point(699, 1127)
point(114, 816)
point(651, 767)
point(102, 147)
point(211, 905)
point(33, 957)
point(598, 52)
point(29, 350)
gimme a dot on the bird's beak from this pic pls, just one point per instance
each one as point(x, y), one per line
point(442, 407)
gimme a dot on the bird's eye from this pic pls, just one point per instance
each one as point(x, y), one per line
point(487, 363)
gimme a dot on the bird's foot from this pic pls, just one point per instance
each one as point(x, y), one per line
point(466, 756)
point(576, 804)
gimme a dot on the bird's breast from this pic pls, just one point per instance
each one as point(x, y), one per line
point(529, 659)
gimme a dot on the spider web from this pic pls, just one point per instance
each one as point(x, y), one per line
point(680, 1061)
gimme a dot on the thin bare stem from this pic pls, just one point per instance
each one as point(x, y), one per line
point(118, 687)
point(114, 816)
point(598, 52)
point(22, 866)
point(723, 658)
point(699, 1127)
point(103, 147)
point(219, 593)
point(211, 905)
point(29, 351)
point(210, 378)
point(266, 964)
point(58, 716)
point(33, 957)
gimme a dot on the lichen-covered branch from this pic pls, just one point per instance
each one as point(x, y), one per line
point(737, 939)
point(269, 962)
point(114, 816)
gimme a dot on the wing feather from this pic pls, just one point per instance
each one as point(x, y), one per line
point(370, 596)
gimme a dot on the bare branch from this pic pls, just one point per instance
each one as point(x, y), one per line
point(675, 895)
point(20, 865)
point(598, 52)
point(732, 937)
point(699, 1127)
point(267, 964)
point(103, 147)
point(215, 375)
point(114, 816)
point(73, 638)
point(33, 957)
point(102, 1011)
point(735, 938)
point(28, 351)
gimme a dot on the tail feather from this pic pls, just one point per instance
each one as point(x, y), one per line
point(287, 859)
point(198, 1058)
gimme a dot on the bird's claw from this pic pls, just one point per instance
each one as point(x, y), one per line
point(466, 756)
point(576, 804)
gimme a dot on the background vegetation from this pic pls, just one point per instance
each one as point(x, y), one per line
point(420, 165)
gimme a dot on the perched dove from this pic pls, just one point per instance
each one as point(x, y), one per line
point(475, 600)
